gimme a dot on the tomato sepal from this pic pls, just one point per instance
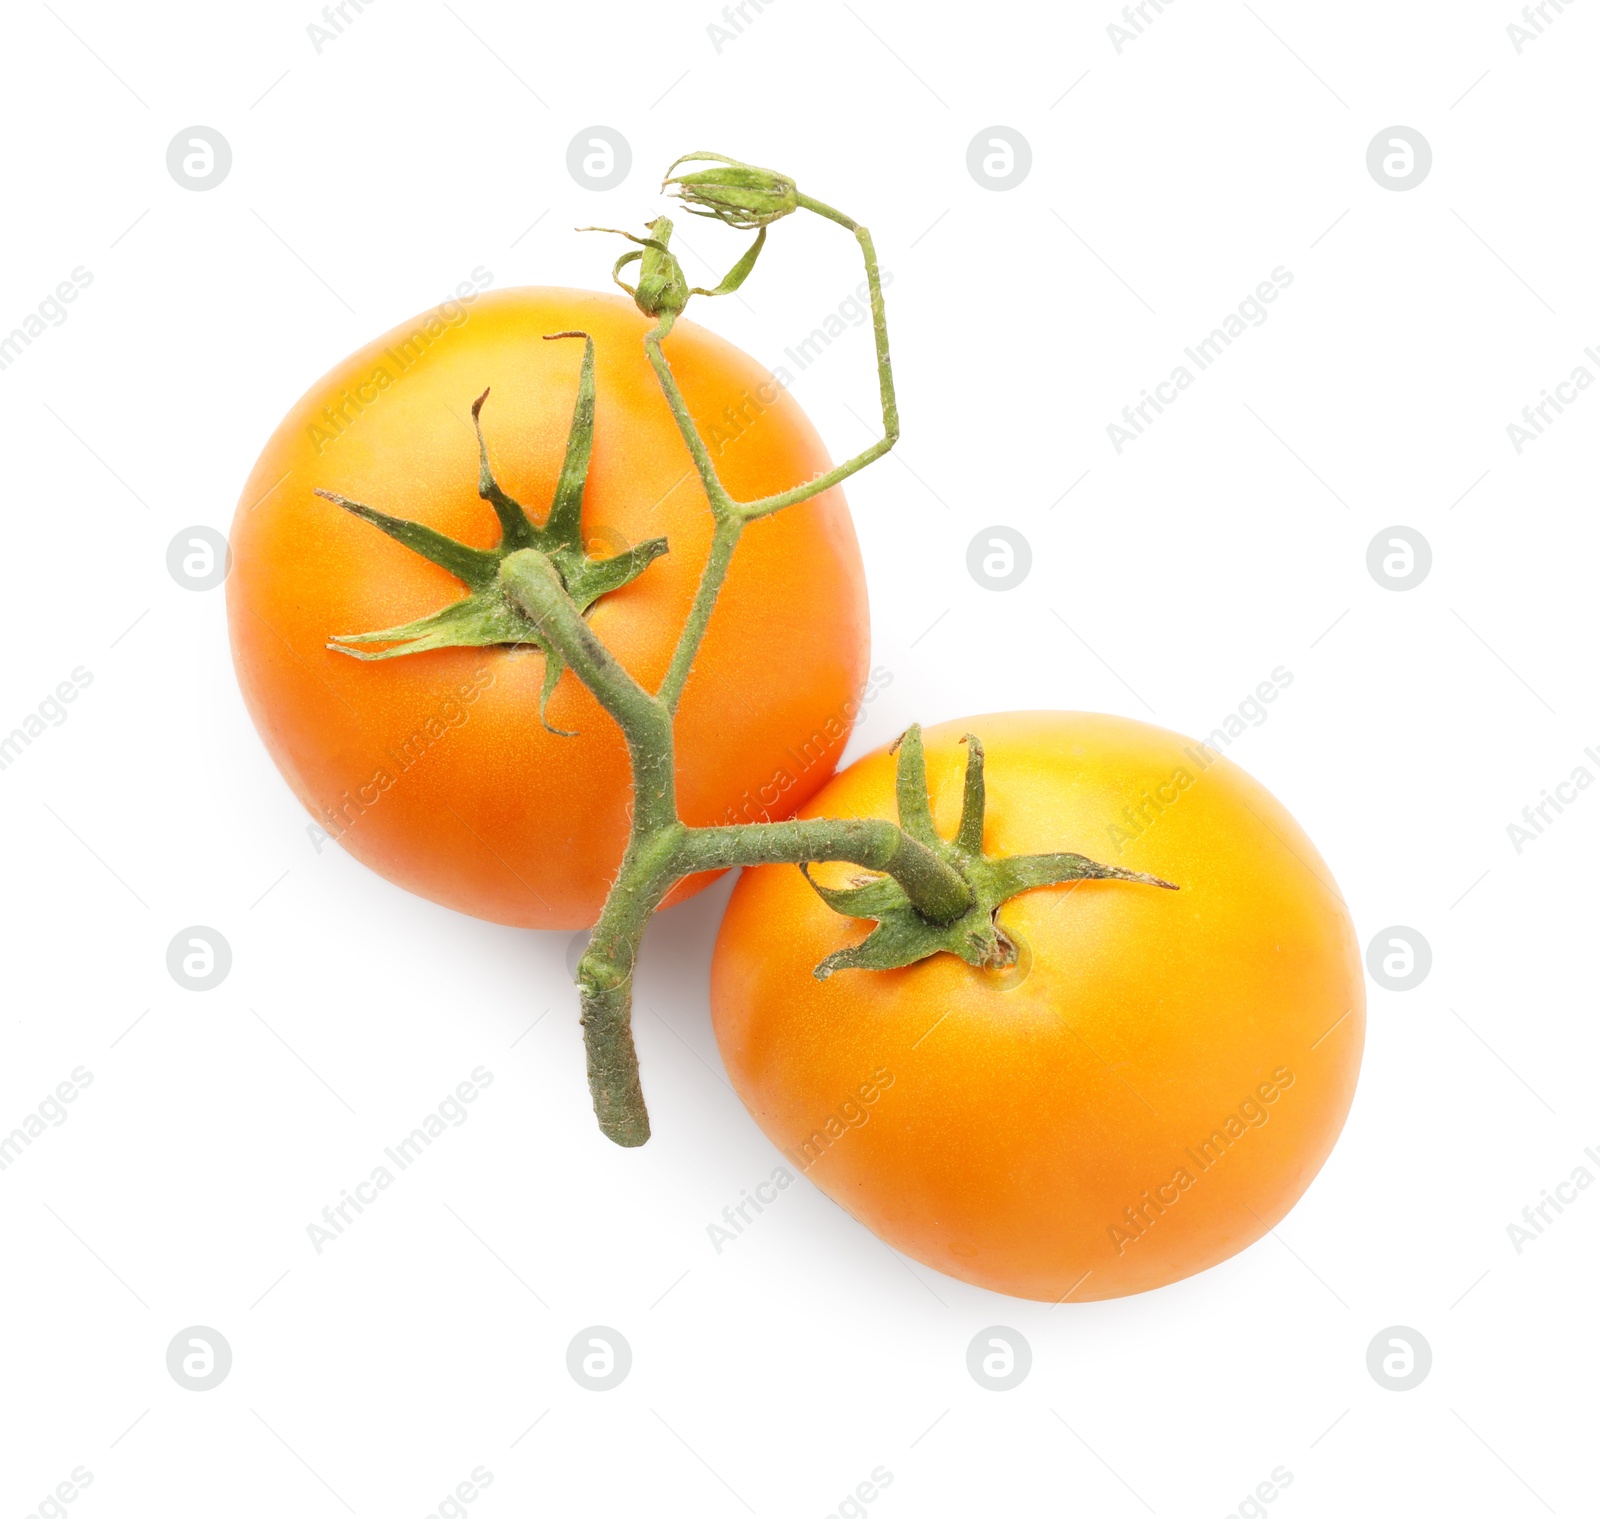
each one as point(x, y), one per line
point(488, 616)
point(903, 936)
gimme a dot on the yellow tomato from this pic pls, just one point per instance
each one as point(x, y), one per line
point(434, 769)
point(1146, 1092)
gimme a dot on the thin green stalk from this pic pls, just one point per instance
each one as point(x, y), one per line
point(730, 515)
point(891, 410)
point(724, 540)
point(936, 889)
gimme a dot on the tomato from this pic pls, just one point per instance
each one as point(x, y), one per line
point(434, 768)
point(1145, 1092)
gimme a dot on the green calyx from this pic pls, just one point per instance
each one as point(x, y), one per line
point(488, 615)
point(738, 194)
point(663, 289)
point(903, 935)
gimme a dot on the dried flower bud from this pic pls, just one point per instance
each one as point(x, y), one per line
point(662, 289)
point(739, 194)
point(662, 286)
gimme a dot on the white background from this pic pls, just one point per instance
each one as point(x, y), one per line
point(1167, 181)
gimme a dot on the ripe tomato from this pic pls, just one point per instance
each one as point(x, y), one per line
point(1147, 1091)
point(434, 768)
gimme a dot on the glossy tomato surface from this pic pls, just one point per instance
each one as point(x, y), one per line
point(1151, 1087)
point(434, 768)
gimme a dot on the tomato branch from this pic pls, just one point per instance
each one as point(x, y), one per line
point(927, 895)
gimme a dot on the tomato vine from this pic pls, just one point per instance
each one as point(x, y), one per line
point(925, 894)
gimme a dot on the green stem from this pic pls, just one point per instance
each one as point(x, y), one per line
point(661, 850)
point(724, 540)
point(721, 502)
point(730, 515)
point(655, 861)
point(936, 889)
point(605, 984)
point(886, 396)
point(536, 590)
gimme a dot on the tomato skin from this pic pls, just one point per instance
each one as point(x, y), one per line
point(996, 1124)
point(433, 768)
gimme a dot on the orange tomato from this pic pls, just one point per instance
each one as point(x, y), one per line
point(1146, 1092)
point(434, 768)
